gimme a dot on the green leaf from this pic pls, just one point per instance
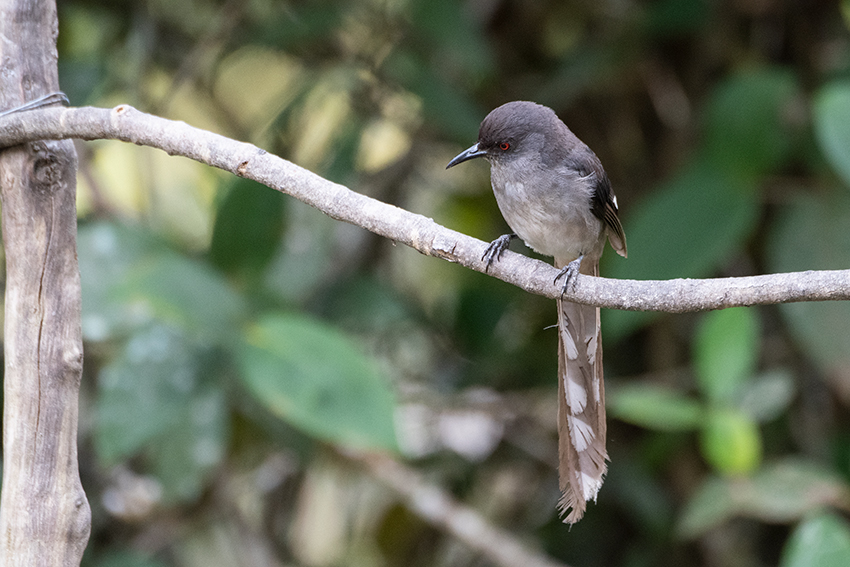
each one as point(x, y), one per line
point(811, 234)
point(683, 230)
point(129, 278)
point(183, 459)
point(185, 293)
point(766, 396)
point(710, 505)
point(731, 442)
point(822, 540)
point(781, 492)
point(160, 395)
point(745, 132)
point(366, 304)
point(831, 109)
point(316, 378)
point(789, 489)
point(654, 407)
point(686, 227)
point(301, 264)
point(726, 352)
point(107, 253)
point(141, 393)
point(247, 228)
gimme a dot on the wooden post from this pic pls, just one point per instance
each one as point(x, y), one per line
point(44, 515)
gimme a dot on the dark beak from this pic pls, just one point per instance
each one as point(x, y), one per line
point(467, 154)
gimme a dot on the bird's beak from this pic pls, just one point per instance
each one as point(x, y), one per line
point(469, 153)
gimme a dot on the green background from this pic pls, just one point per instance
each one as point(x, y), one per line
point(240, 345)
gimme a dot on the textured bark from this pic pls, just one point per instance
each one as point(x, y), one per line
point(44, 514)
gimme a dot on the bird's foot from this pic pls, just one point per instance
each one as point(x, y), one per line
point(495, 249)
point(570, 275)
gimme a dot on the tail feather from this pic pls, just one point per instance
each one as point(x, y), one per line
point(581, 407)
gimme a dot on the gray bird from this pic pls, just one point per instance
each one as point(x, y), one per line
point(556, 197)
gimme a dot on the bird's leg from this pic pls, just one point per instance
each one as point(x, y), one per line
point(495, 249)
point(45, 100)
point(570, 275)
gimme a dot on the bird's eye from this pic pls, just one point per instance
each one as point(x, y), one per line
point(504, 146)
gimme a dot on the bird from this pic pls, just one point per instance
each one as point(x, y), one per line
point(554, 194)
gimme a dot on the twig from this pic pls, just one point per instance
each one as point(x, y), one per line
point(437, 507)
point(423, 234)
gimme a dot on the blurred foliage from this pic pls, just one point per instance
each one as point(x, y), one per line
point(340, 398)
point(820, 541)
point(235, 339)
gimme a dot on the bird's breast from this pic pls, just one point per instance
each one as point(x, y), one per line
point(552, 217)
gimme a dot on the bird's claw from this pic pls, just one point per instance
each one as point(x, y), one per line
point(570, 274)
point(494, 249)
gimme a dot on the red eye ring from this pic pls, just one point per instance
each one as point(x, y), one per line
point(504, 146)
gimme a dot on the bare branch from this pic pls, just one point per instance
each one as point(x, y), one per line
point(437, 507)
point(421, 233)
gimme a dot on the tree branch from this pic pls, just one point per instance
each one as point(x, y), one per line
point(423, 234)
point(45, 517)
point(437, 507)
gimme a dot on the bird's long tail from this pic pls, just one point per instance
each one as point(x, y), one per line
point(581, 407)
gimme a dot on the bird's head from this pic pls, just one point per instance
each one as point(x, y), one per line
point(508, 130)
